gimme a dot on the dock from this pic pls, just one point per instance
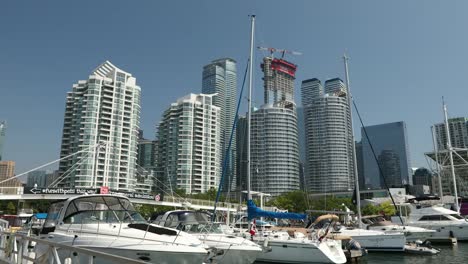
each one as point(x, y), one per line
point(447, 240)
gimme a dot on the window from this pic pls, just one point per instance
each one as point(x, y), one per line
point(434, 218)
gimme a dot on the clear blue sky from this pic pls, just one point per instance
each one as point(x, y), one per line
point(405, 55)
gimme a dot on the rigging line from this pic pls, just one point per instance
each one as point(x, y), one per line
point(64, 176)
point(161, 182)
point(42, 166)
point(234, 125)
point(66, 173)
point(376, 160)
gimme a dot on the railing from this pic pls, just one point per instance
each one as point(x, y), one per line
point(199, 202)
point(18, 248)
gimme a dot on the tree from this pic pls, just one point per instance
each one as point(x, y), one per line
point(11, 208)
point(387, 209)
point(370, 209)
point(295, 201)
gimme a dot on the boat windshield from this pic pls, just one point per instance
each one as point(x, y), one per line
point(192, 222)
point(108, 209)
point(457, 216)
point(204, 228)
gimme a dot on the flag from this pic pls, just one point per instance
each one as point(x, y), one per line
point(253, 228)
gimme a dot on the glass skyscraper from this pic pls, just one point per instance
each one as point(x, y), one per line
point(390, 144)
point(104, 109)
point(220, 77)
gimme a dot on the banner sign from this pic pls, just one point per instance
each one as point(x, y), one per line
point(101, 190)
point(77, 191)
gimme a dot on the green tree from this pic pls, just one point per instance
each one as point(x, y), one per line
point(387, 209)
point(370, 209)
point(11, 208)
point(295, 201)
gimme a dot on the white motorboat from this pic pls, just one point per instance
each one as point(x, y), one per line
point(226, 248)
point(447, 223)
point(373, 240)
point(295, 247)
point(420, 249)
point(370, 240)
point(110, 224)
point(412, 233)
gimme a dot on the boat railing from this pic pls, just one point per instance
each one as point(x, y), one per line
point(19, 248)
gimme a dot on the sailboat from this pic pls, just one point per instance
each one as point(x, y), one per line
point(369, 239)
point(281, 247)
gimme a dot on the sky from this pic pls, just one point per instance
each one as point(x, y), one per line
point(404, 56)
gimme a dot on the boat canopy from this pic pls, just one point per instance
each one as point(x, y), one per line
point(253, 212)
point(326, 217)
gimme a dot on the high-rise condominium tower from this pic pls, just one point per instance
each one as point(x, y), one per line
point(103, 109)
point(458, 129)
point(274, 135)
point(189, 137)
point(2, 136)
point(220, 77)
point(329, 153)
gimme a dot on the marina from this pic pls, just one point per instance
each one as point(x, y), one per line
point(228, 177)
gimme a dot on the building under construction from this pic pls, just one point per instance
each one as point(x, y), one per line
point(274, 136)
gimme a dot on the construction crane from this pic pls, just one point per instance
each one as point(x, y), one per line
point(282, 51)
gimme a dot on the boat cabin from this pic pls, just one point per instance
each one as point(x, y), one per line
point(91, 209)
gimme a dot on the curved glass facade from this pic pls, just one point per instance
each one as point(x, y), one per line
point(274, 150)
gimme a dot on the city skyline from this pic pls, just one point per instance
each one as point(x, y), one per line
point(384, 66)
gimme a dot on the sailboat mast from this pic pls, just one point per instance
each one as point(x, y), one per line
point(249, 99)
point(436, 152)
point(356, 177)
point(449, 146)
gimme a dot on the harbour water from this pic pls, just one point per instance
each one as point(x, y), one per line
point(456, 254)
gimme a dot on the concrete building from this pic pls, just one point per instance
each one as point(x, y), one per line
point(2, 136)
point(274, 135)
point(241, 157)
point(360, 165)
point(104, 109)
point(458, 128)
point(422, 176)
point(189, 136)
point(329, 163)
point(7, 171)
point(302, 147)
point(390, 144)
point(220, 77)
point(147, 156)
point(38, 178)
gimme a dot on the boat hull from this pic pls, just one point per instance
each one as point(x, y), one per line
point(375, 240)
point(146, 250)
point(303, 252)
